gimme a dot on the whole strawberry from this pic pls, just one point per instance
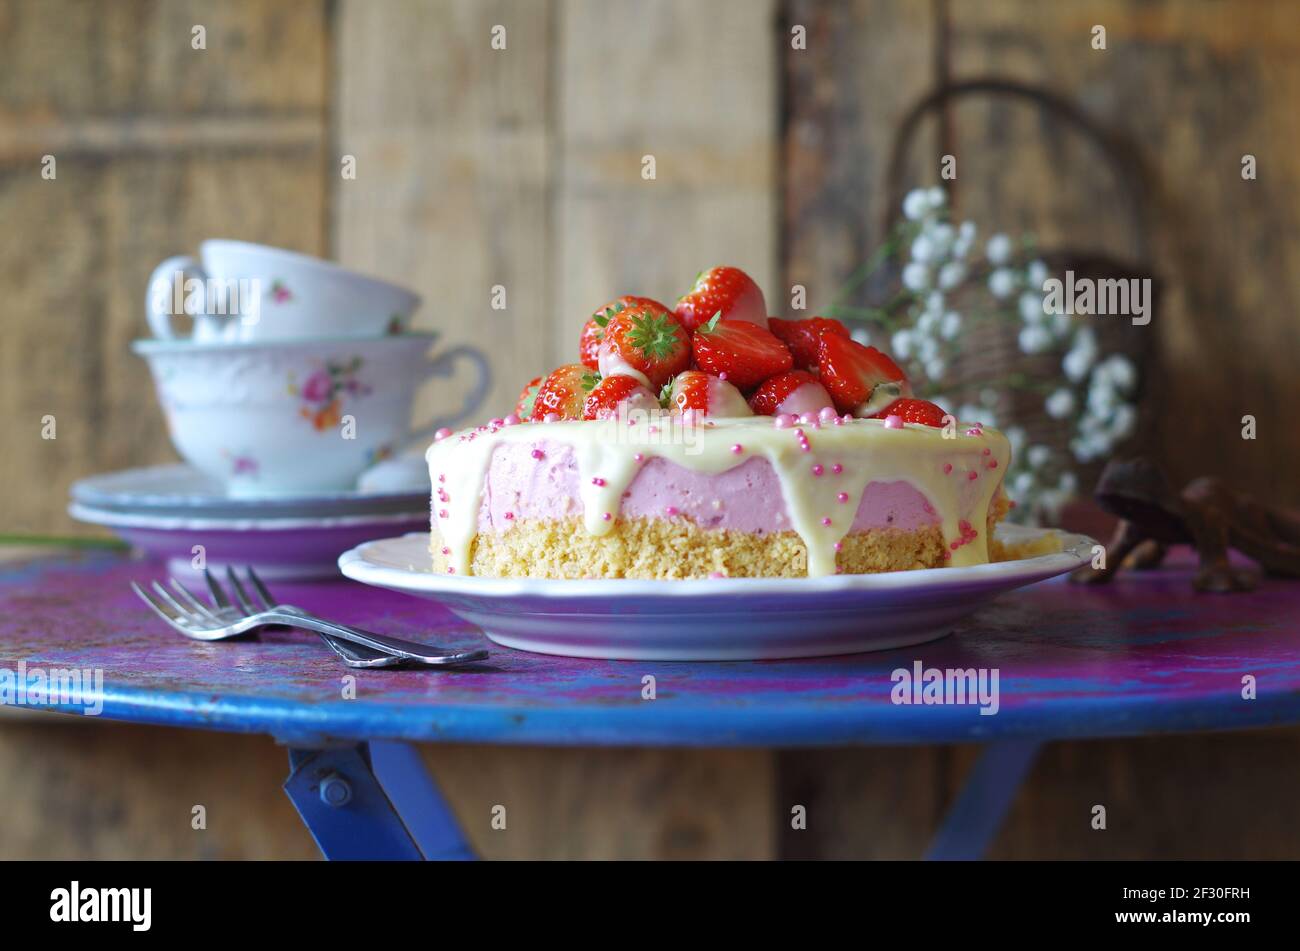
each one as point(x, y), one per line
point(593, 331)
point(803, 337)
point(914, 411)
point(703, 393)
point(743, 353)
point(728, 291)
point(861, 380)
point(564, 392)
point(524, 405)
point(796, 391)
point(645, 341)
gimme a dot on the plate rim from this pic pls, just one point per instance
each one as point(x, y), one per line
point(159, 522)
point(355, 565)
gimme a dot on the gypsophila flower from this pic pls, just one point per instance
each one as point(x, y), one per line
point(916, 277)
point(936, 197)
point(861, 334)
point(951, 274)
point(923, 248)
point(1031, 310)
point(998, 250)
point(1036, 275)
point(1002, 283)
point(916, 204)
point(950, 326)
point(1060, 404)
point(901, 343)
point(1034, 339)
point(1038, 456)
point(1081, 356)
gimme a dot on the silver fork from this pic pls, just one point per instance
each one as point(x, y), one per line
point(223, 620)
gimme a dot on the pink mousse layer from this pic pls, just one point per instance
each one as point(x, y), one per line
point(746, 498)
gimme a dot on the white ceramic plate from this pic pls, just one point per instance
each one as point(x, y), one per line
point(711, 619)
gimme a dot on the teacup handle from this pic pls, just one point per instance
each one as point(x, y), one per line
point(443, 366)
point(158, 296)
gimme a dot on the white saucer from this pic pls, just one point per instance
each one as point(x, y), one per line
point(711, 619)
point(181, 490)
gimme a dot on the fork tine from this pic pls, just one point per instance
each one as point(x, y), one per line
point(259, 589)
point(154, 605)
point(244, 604)
point(197, 605)
point(185, 613)
point(219, 598)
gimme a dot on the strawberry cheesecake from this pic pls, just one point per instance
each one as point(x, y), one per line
point(711, 441)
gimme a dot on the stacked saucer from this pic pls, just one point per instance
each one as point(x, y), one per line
point(291, 401)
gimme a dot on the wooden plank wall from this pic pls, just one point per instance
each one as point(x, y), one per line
point(522, 168)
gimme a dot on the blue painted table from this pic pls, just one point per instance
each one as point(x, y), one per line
point(1143, 655)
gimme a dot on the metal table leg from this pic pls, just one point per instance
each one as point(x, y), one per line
point(974, 819)
point(372, 801)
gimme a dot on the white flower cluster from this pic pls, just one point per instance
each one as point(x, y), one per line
point(1094, 398)
point(936, 264)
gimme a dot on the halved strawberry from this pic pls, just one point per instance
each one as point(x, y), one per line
point(705, 394)
point(612, 391)
point(913, 411)
point(645, 341)
point(524, 405)
point(802, 336)
point(726, 290)
point(796, 391)
point(593, 331)
point(564, 392)
point(860, 379)
point(747, 353)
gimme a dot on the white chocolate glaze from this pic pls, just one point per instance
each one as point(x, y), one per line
point(958, 475)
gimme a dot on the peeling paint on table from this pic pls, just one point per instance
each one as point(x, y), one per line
point(1144, 654)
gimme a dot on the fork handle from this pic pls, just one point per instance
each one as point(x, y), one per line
point(424, 653)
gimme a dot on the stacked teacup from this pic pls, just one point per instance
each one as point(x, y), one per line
point(296, 376)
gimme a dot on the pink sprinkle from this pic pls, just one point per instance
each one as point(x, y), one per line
point(987, 450)
point(993, 463)
point(551, 418)
point(807, 419)
point(442, 477)
point(837, 468)
point(671, 511)
point(784, 421)
point(509, 516)
point(451, 571)
point(737, 448)
point(838, 546)
point(538, 454)
point(442, 513)
point(893, 421)
point(652, 430)
point(498, 421)
point(722, 375)
point(446, 551)
point(716, 574)
point(443, 496)
point(512, 420)
point(598, 481)
point(826, 521)
point(639, 457)
point(972, 475)
point(955, 545)
point(826, 414)
point(838, 421)
point(817, 469)
point(842, 497)
point(975, 431)
point(947, 468)
point(839, 569)
point(441, 434)
point(607, 516)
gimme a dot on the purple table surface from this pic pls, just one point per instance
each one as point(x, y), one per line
point(1143, 655)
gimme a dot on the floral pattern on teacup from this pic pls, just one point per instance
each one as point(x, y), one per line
point(241, 464)
point(323, 392)
point(280, 292)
